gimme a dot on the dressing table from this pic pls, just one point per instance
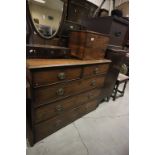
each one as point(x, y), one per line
point(60, 88)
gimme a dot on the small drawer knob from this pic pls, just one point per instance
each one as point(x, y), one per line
point(60, 91)
point(61, 76)
point(92, 39)
point(96, 70)
point(59, 108)
point(93, 83)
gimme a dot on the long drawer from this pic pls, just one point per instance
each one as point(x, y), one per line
point(44, 95)
point(48, 127)
point(50, 110)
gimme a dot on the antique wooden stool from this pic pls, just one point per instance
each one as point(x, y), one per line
point(121, 79)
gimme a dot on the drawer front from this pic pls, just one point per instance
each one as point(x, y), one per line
point(46, 128)
point(95, 70)
point(49, 94)
point(53, 109)
point(49, 76)
point(118, 32)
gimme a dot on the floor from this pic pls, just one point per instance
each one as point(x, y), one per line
point(104, 131)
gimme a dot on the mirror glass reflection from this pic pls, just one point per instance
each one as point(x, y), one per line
point(46, 16)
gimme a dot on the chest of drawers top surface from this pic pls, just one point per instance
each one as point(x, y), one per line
point(48, 63)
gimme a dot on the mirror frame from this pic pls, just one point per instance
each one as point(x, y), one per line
point(34, 29)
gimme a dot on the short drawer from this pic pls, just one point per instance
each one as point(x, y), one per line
point(47, 94)
point(49, 76)
point(53, 109)
point(95, 70)
point(46, 128)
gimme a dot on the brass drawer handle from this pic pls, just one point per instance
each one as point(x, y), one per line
point(59, 108)
point(61, 76)
point(93, 83)
point(60, 91)
point(96, 70)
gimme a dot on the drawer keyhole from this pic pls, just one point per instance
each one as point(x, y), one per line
point(60, 91)
point(96, 70)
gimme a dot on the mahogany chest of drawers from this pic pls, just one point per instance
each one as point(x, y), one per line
point(88, 45)
point(61, 91)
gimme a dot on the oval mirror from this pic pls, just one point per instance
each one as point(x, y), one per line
point(46, 16)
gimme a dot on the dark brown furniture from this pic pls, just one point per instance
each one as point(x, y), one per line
point(117, 57)
point(46, 51)
point(116, 27)
point(87, 45)
point(60, 91)
point(120, 79)
point(79, 10)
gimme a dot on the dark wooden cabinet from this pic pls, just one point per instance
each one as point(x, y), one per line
point(116, 27)
point(79, 10)
point(61, 91)
point(117, 57)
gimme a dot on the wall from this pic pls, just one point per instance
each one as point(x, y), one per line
point(98, 2)
point(108, 5)
point(125, 9)
point(119, 2)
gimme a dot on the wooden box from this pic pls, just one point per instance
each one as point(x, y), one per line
point(88, 45)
